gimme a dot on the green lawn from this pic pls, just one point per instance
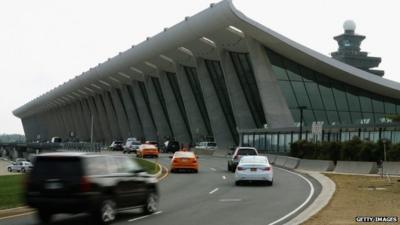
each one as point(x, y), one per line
point(149, 166)
point(11, 191)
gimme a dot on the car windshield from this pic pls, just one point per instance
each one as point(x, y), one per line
point(246, 151)
point(257, 160)
point(184, 155)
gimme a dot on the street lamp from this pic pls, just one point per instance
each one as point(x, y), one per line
point(384, 141)
point(301, 108)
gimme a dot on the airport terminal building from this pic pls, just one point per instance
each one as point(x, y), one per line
point(220, 74)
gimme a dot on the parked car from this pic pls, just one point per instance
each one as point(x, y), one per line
point(146, 150)
point(131, 145)
point(254, 168)
point(20, 166)
point(171, 146)
point(117, 145)
point(237, 154)
point(99, 185)
point(206, 145)
point(184, 160)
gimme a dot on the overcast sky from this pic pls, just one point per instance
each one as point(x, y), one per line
point(43, 43)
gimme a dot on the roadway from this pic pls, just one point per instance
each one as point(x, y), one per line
point(210, 197)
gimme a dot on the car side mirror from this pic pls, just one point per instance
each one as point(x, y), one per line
point(170, 156)
point(197, 157)
point(229, 153)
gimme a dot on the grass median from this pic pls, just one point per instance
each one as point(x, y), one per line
point(11, 191)
point(359, 196)
point(149, 166)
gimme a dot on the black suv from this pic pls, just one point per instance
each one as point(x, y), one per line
point(100, 185)
point(172, 147)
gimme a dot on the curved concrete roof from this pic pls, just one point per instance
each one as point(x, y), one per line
point(226, 27)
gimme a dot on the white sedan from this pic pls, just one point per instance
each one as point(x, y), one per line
point(254, 168)
point(20, 166)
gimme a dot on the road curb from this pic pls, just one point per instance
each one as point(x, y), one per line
point(328, 189)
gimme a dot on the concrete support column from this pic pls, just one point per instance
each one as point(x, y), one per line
point(100, 131)
point(82, 134)
point(104, 121)
point(111, 115)
point(196, 122)
point(67, 122)
point(274, 103)
point(57, 126)
point(218, 121)
point(149, 129)
point(72, 118)
point(160, 119)
point(240, 107)
point(133, 116)
point(121, 115)
point(85, 116)
point(175, 116)
point(61, 121)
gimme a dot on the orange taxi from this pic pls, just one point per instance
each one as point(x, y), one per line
point(147, 150)
point(184, 160)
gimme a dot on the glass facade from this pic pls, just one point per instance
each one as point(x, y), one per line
point(279, 142)
point(194, 83)
point(143, 90)
point(173, 82)
point(161, 99)
point(249, 86)
point(326, 99)
point(218, 80)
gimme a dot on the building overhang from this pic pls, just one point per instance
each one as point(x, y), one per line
point(222, 26)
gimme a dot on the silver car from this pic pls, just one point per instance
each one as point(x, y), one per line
point(20, 166)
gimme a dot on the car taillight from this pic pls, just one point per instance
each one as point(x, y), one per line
point(266, 168)
point(240, 168)
point(85, 184)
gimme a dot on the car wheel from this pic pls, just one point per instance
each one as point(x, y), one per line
point(238, 183)
point(9, 169)
point(195, 171)
point(270, 183)
point(229, 168)
point(106, 213)
point(151, 205)
point(44, 216)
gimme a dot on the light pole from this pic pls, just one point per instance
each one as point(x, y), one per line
point(384, 153)
point(91, 129)
point(301, 108)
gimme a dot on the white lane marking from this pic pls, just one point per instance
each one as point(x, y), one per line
point(142, 217)
point(213, 169)
point(223, 177)
point(231, 200)
point(304, 203)
point(213, 191)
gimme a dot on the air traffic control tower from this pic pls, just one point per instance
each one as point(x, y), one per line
point(350, 53)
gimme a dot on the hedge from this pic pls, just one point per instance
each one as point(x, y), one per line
point(352, 150)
